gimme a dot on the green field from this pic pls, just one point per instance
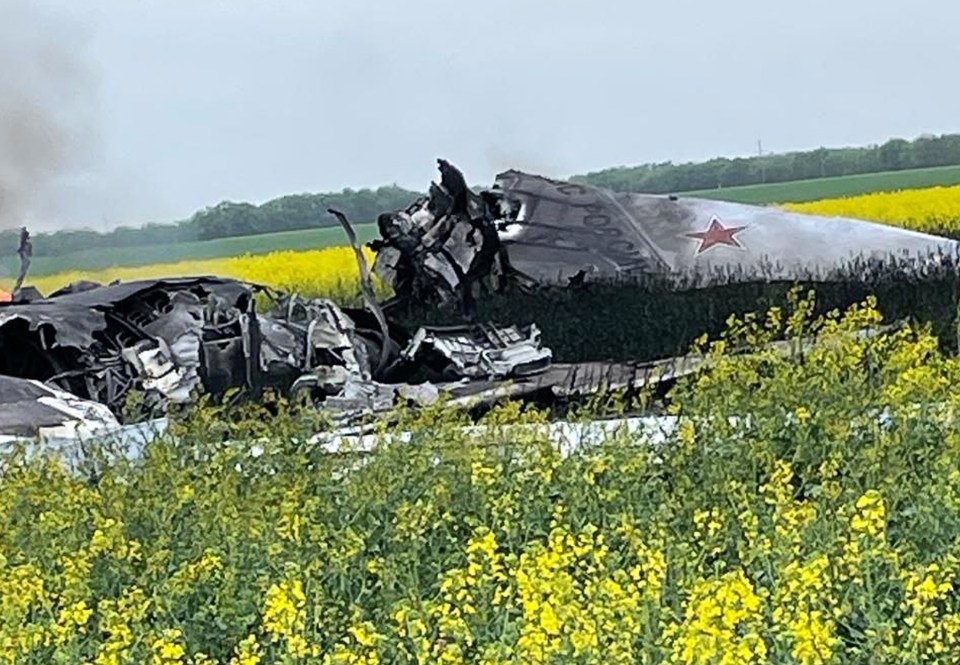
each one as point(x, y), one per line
point(104, 257)
point(799, 191)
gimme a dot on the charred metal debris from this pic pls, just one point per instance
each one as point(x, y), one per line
point(445, 246)
point(528, 231)
point(167, 340)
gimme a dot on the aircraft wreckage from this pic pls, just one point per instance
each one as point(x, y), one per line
point(530, 231)
point(72, 359)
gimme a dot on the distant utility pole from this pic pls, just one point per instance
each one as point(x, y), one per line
point(763, 171)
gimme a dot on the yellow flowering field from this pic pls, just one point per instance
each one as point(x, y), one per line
point(932, 210)
point(804, 509)
point(330, 272)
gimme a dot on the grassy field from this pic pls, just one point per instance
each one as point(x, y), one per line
point(105, 257)
point(799, 191)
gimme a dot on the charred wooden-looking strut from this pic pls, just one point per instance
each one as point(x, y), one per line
point(25, 252)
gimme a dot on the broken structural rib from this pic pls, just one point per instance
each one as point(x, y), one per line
point(366, 288)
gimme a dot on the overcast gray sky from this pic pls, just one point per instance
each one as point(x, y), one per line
point(168, 106)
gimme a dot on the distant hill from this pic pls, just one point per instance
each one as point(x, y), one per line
point(667, 178)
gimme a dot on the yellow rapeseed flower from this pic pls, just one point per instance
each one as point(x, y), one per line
point(870, 517)
point(167, 649)
point(722, 622)
point(932, 210)
point(248, 652)
point(284, 615)
point(330, 272)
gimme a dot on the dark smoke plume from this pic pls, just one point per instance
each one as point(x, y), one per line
point(46, 108)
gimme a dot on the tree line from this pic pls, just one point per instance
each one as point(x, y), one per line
point(667, 177)
point(224, 220)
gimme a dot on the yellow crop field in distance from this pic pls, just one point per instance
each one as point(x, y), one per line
point(931, 210)
point(330, 272)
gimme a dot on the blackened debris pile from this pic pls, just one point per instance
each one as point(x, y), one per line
point(83, 351)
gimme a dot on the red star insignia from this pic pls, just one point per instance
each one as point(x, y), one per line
point(717, 234)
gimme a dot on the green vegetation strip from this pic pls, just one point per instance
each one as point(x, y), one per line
point(799, 191)
point(104, 257)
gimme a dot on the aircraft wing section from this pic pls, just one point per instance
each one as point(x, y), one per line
point(718, 238)
point(563, 229)
point(566, 229)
